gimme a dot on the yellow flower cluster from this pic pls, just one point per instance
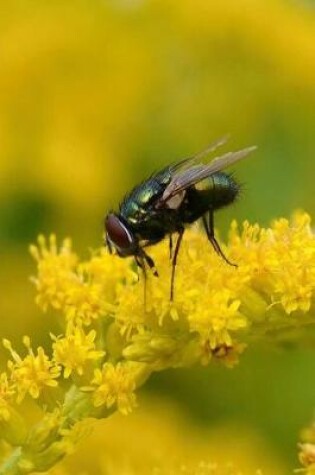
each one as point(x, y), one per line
point(114, 384)
point(280, 260)
point(30, 375)
point(217, 305)
point(75, 349)
point(84, 292)
point(113, 339)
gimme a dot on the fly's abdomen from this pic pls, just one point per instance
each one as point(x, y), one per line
point(223, 190)
point(213, 193)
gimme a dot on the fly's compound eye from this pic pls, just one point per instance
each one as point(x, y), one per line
point(118, 235)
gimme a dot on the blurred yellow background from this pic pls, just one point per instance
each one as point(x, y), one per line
point(95, 95)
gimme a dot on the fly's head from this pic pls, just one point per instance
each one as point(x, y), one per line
point(119, 237)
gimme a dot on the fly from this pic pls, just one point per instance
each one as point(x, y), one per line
point(169, 201)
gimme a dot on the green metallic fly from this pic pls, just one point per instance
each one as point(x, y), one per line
point(168, 201)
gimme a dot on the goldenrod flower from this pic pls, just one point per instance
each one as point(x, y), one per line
point(75, 349)
point(55, 271)
point(280, 261)
point(216, 321)
point(115, 385)
point(217, 305)
point(32, 373)
point(111, 340)
point(83, 291)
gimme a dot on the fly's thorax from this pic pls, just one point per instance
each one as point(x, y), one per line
point(139, 201)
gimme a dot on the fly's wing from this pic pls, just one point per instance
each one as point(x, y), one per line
point(174, 169)
point(196, 173)
point(188, 162)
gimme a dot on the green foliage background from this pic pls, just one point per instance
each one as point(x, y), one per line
point(95, 95)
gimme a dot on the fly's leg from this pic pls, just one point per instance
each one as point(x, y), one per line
point(171, 246)
point(209, 228)
point(142, 259)
point(174, 261)
point(138, 266)
point(150, 263)
point(141, 264)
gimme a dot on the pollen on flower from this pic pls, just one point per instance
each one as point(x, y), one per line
point(114, 384)
point(75, 349)
point(31, 374)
